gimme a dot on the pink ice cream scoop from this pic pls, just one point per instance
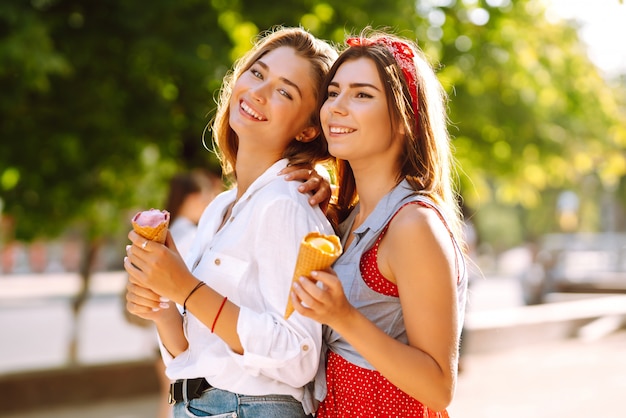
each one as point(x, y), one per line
point(152, 224)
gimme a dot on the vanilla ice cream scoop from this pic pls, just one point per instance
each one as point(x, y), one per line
point(317, 252)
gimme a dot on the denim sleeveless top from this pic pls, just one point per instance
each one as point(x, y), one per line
point(385, 311)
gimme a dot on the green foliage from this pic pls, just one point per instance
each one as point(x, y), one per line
point(531, 114)
point(102, 101)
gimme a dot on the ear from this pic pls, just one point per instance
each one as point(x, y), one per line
point(309, 134)
point(401, 129)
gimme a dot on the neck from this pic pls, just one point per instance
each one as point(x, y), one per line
point(249, 167)
point(372, 184)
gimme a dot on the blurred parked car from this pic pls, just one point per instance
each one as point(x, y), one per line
point(584, 263)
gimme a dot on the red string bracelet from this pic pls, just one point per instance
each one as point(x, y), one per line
point(219, 311)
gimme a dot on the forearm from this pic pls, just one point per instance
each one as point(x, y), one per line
point(217, 314)
point(412, 370)
point(170, 329)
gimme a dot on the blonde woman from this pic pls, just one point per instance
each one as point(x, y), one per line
point(230, 351)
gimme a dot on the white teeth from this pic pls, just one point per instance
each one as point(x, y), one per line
point(251, 112)
point(340, 130)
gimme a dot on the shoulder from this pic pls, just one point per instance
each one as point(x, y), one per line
point(416, 217)
point(280, 203)
point(280, 191)
point(419, 228)
point(417, 249)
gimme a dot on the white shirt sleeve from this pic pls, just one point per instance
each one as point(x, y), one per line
point(285, 350)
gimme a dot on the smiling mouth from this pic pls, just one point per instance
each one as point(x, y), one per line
point(340, 130)
point(249, 111)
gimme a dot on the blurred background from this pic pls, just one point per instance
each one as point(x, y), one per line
point(102, 102)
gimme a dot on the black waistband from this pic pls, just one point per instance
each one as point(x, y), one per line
point(192, 388)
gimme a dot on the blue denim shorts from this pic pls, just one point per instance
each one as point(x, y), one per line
point(221, 403)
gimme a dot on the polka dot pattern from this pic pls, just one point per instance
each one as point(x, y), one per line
point(357, 392)
point(354, 391)
point(372, 275)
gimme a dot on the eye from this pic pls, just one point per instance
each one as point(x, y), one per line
point(285, 93)
point(333, 93)
point(363, 95)
point(256, 73)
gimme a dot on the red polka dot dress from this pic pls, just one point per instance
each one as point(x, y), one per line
point(353, 391)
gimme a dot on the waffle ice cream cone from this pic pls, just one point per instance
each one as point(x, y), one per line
point(317, 252)
point(152, 224)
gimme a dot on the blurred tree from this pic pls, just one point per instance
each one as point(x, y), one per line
point(531, 114)
point(102, 101)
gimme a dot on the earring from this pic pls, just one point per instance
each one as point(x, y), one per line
point(299, 138)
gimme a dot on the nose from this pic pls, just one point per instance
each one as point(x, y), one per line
point(259, 92)
point(336, 105)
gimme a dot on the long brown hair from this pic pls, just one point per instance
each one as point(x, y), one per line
point(426, 159)
point(320, 56)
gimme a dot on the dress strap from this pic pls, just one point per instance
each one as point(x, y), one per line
point(368, 265)
point(427, 203)
point(384, 231)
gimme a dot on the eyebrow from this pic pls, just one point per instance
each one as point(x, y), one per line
point(355, 85)
point(283, 79)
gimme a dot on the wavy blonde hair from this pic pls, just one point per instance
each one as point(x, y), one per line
point(320, 55)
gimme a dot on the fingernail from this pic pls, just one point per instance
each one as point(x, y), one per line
point(301, 188)
point(127, 248)
point(155, 309)
point(125, 259)
point(164, 305)
point(314, 274)
point(288, 177)
point(162, 299)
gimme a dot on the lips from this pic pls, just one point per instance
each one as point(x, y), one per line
point(245, 108)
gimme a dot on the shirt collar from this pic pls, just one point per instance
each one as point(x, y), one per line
point(384, 209)
point(264, 179)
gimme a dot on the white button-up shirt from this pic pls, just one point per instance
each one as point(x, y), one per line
point(251, 260)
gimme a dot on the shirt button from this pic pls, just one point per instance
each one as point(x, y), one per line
point(305, 347)
point(218, 261)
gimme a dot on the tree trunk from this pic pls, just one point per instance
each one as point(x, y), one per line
point(85, 270)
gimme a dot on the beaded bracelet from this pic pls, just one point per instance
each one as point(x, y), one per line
point(198, 286)
point(219, 311)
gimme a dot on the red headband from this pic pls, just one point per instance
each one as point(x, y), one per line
point(403, 54)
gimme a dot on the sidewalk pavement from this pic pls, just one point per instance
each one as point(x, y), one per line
point(569, 378)
point(573, 378)
point(557, 360)
point(136, 407)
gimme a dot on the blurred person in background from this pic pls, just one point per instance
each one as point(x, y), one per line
point(188, 196)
